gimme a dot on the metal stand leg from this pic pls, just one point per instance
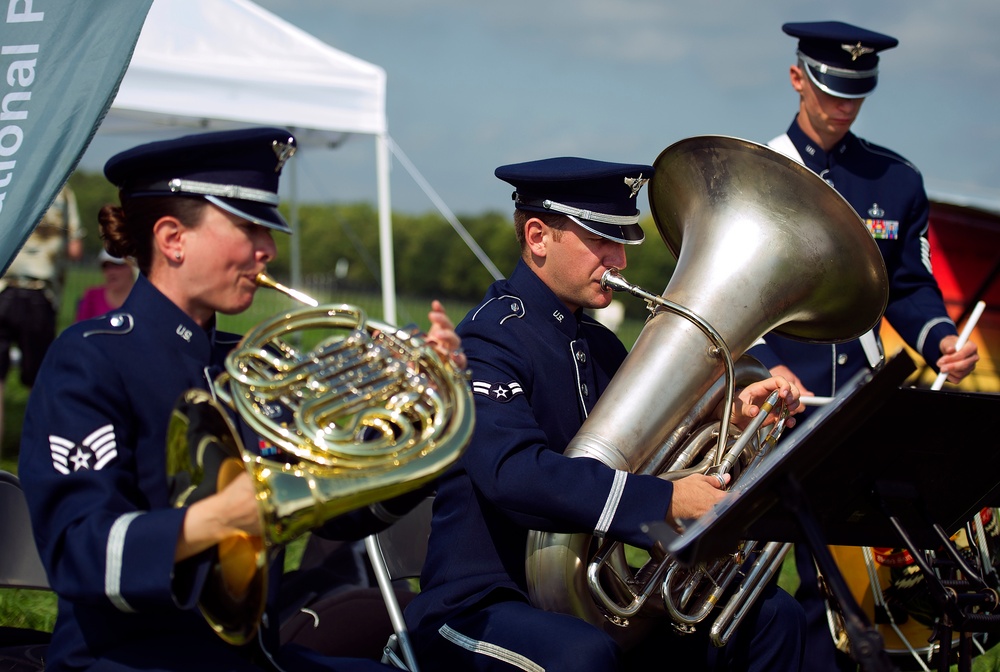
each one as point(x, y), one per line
point(866, 642)
point(391, 604)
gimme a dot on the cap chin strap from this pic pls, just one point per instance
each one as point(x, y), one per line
point(224, 190)
point(617, 220)
point(835, 71)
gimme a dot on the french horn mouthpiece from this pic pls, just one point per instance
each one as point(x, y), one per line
point(264, 280)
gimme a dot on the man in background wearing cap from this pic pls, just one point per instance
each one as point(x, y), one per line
point(837, 67)
point(539, 364)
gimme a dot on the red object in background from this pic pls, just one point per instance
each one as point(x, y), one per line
point(965, 255)
point(965, 252)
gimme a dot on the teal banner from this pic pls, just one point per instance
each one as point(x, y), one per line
point(61, 63)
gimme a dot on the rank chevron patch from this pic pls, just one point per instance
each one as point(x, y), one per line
point(502, 392)
point(94, 452)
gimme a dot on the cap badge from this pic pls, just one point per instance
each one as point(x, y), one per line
point(856, 50)
point(635, 184)
point(283, 151)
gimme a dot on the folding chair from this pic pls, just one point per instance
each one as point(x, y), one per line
point(20, 566)
point(398, 553)
point(21, 649)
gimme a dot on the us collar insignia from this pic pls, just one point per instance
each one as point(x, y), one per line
point(635, 184)
point(283, 151)
point(856, 50)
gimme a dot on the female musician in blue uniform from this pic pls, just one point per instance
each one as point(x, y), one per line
point(539, 364)
point(197, 215)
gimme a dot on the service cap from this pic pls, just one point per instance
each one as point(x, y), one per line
point(840, 59)
point(600, 196)
point(235, 170)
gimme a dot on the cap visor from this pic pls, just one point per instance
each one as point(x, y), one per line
point(631, 234)
point(258, 213)
point(842, 87)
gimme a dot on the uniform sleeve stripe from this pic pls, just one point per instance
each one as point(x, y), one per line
point(611, 506)
point(512, 658)
point(927, 330)
point(113, 566)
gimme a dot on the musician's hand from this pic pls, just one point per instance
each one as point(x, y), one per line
point(232, 510)
point(957, 364)
point(786, 373)
point(442, 337)
point(694, 496)
point(746, 406)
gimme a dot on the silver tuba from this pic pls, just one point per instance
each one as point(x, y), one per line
point(351, 412)
point(762, 244)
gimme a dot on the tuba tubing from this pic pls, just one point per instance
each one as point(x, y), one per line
point(369, 413)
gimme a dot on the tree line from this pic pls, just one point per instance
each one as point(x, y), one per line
point(340, 240)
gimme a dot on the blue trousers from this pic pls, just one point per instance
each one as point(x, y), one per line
point(513, 635)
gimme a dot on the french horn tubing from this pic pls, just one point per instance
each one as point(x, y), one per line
point(762, 244)
point(366, 413)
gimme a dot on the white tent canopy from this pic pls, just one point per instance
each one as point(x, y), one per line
point(210, 64)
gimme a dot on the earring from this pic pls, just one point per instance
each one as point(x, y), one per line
point(177, 256)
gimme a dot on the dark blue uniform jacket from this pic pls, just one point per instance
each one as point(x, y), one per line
point(887, 192)
point(537, 370)
point(93, 469)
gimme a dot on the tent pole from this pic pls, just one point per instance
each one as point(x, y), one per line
point(385, 229)
point(296, 241)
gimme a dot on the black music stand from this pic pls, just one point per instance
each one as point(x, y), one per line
point(879, 466)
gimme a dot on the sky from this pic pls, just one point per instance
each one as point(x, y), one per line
point(472, 85)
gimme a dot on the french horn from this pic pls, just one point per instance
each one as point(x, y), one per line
point(762, 244)
point(365, 413)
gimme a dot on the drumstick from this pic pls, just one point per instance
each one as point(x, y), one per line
point(815, 401)
point(962, 339)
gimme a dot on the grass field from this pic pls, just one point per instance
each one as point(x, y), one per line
point(35, 609)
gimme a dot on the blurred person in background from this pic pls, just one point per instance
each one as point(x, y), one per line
point(31, 289)
point(119, 275)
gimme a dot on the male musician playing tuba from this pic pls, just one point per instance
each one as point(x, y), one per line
point(539, 365)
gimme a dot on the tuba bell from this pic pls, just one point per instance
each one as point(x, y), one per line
point(762, 244)
point(367, 412)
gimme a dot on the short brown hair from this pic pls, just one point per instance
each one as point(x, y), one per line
point(551, 219)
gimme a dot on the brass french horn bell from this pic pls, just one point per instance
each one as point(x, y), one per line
point(363, 413)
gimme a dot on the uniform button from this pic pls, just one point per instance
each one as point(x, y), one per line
point(583, 388)
point(581, 357)
point(841, 359)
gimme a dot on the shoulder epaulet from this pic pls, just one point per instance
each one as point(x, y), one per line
point(592, 321)
point(225, 338)
point(500, 309)
point(888, 153)
point(113, 323)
